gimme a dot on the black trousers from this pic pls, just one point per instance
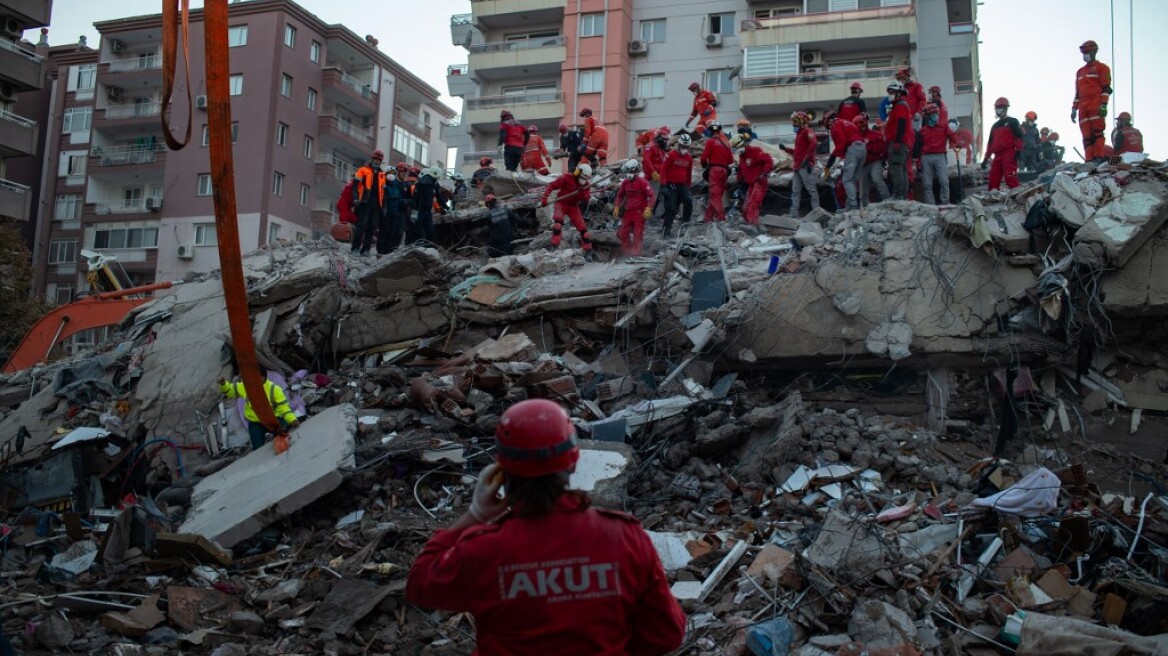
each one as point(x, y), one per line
point(422, 228)
point(511, 157)
point(389, 233)
point(677, 194)
point(368, 220)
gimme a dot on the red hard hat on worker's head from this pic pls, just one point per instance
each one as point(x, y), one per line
point(533, 129)
point(930, 108)
point(505, 114)
point(563, 128)
point(536, 438)
point(1001, 102)
point(861, 122)
point(1031, 116)
point(856, 86)
point(663, 131)
point(828, 117)
point(486, 161)
point(587, 111)
point(377, 155)
point(1089, 46)
point(904, 72)
point(1123, 116)
point(935, 89)
point(489, 200)
point(694, 86)
point(401, 166)
point(414, 170)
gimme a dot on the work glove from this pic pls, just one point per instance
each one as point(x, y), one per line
point(1074, 115)
point(656, 177)
point(985, 163)
point(647, 213)
point(689, 121)
point(616, 212)
point(1103, 111)
point(487, 506)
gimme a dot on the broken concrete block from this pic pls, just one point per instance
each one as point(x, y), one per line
point(603, 472)
point(784, 224)
point(1140, 288)
point(846, 545)
point(809, 234)
point(818, 216)
point(238, 501)
point(514, 347)
point(772, 562)
point(892, 338)
point(879, 625)
point(1118, 229)
point(347, 603)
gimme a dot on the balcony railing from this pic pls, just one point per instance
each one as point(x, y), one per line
point(795, 20)
point(964, 86)
point(353, 83)
point(462, 19)
point(134, 110)
point(522, 44)
point(342, 170)
point(348, 129)
point(473, 157)
point(127, 155)
point(14, 187)
point(12, 47)
point(454, 122)
point(17, 119)
point(888, 73)
point(458, 69)
point(126, 205)
point(962, 28)
point(410, 119)
point(486, 102)
point(146, 63)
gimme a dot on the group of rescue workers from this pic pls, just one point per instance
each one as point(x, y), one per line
point(390, 204)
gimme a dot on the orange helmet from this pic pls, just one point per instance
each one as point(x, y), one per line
point(536, 438)
point(1031, 116)
point(1089, 46)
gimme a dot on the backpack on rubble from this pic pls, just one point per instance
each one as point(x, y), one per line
point(1039, 218)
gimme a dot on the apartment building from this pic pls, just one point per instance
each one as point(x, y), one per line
point(22, 71)
point(310, 102)
point(632, 61)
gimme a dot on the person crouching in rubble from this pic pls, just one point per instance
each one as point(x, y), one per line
point(276, 398)
point(540, 570)
point(499, 232)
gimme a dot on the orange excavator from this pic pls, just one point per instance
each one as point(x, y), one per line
point(112, 301)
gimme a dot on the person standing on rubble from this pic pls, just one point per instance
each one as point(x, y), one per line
point(705, 109)
point(276, 398)
point(754, 167)
point(540, 570)
point(853, 105)
point(512, 140)
point(572, 193)
point(717, 158)
point(1031, 140)
point(678, 178)
point(653, 162)
point(571, 146)
point(932, 151)
point(368, 202)
point(535, 153)
point(424, 197)
point(1092, 91)
point(875, 153)
point(633, 205)
point(942, 108)
point(849, 145)
point(595, 139)
point(484, 171)
point(899, 135)
point(1125, 137)
point(393, 221)
point(803, 164)
point(914, 95)
point(1004, 143)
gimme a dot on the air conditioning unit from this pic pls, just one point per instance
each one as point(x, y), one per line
point(113, 93)
point(811, 58)
point(635, 104)
point(201, 102)
point(186, 252)
point(13, 27)
point(153, 204)
point(713, 40)
point(638, 47)
point(116, 46)
point(7, 92)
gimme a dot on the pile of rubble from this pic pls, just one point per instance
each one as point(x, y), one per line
point(901, 431)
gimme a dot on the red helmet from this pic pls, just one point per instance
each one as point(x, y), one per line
point(663, 131)
point(377, 155)
point(533, 129)
point(586, 112)
point(828, 117)
point(904, 72)
point(1123, 116)
point(505, 114)
point(401, 166)
point(930, 108)
point(486, 161)
point(489, 199)
point(935, 89)
point(1001, 102)
point(694, 86)
point(856, 86)
point(1031, 116)
point(1089, 46)
point(861, 122)
point(563, 128)
point(414, 170)
point(536, 438)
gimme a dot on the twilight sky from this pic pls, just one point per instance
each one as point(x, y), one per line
point(1029, 49)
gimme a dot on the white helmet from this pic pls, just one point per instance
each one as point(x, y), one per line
point(683, 140)
point(631, 166)
point(584, 170)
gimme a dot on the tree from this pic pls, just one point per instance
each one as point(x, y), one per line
point(19, 308)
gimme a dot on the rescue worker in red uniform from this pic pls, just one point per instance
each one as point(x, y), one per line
point(535, 153)
point(653, 163)
point(932, 149)
point(484, 171)
point(1092, 91)
point(848, 145)
point(754, 167)
point(368, 202)
point(1004, 144)
point(345, 203)
point(595, 139)
point(942, 108)
point(633, 205)
point(541, 571)
point(705, 108)
point(512, 140)
point(914, 95)
point(1125, 138)
point(647, 137)
point(803, 165)
point(573, 193)
point(875, 153)
point(717, 158)
point(678, 177)
point(853, 105)
point(899, 135)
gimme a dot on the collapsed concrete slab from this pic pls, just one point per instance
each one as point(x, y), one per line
point(1140, 288)
point(1118, 229)
point(263, 487)
point(603, 472)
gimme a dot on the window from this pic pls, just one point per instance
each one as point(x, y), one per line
point(205, 235)
point(770, 61)
point(722, 24)
point(68, 207)
point(301, 236)
point(63, 294)
point(204, 187)
point(425, 118)
point(305, 190)
point(653, 31)
point(277, 183)
point(237, 36)
point(651, 86)
point(312, 100)
point(62, 251)
point(74, 162)
point(234, 133)
point(592, 25)
point(718, 80)
point(126, 238)
point(286, 85)
point(290, 36)
point(237, 85)
point(132, 198)
point(281, 134)
point(591, 81)
point(308, 145)
point(77, 119)
point(314, 52)
point(273, 232)
point(412, 146)
point(86, 78)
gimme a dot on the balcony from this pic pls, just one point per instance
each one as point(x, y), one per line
point(347, 91)
point(764, 95)
point(483, 112)
point(353, 141)
point(18, 135)
point(14, 200)
point(860, 28)
point(130, 155)
point(131, 64)
point(146, 207)
point(964, 86)
point(459, 81)
point(24, 69)
point(461, 29)
point(332, 173)
point(512, 59)
point(411, 122)
point(31, 13)
point(130, 118)
point(514, 13)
